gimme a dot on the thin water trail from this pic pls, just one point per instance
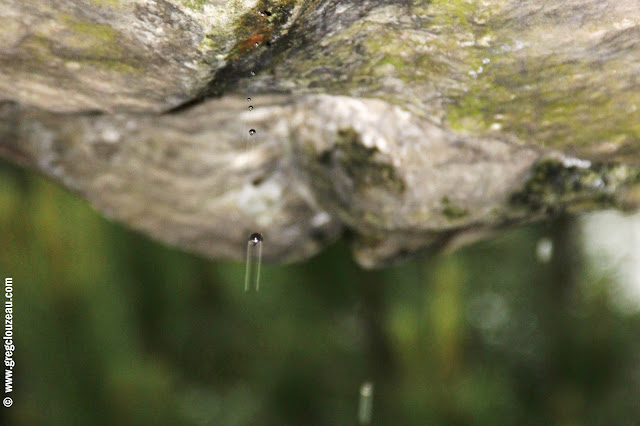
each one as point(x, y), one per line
point(254, 244)
point(254, 260)
point(365, 407)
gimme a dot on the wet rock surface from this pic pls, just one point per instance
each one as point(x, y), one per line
point(405, 124)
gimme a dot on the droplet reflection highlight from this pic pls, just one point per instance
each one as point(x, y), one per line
point(254, 260)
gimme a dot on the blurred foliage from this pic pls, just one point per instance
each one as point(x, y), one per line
point(112, 328)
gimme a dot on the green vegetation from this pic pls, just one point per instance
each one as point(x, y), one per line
point(112, 328)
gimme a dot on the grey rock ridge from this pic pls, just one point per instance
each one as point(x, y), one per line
point(405, 124)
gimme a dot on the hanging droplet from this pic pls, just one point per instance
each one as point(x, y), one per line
point(252, 132)
point(250, 107)
point(366, 403)
point(254, 259)
point(253, 72)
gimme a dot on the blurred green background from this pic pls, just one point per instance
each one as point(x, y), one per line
point(112, 328)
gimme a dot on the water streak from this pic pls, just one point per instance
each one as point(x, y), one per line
point(254, 260)
point(366, 403)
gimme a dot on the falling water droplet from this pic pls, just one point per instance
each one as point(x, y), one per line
point(252, 132)
point(250, 107)
point(544, 250)
point(366, 403)
point(254, 259)
point(253, 72)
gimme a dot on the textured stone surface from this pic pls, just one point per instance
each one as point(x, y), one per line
point(113, 55)
point(409, 124)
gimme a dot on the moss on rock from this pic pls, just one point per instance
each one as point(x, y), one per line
point(567, 185)
point(452, 211)
point(96, 44)
point(359, 163)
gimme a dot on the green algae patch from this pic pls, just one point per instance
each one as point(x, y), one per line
point(91, 35)
point(556, 186)
point(427, 46)
point(353, 181)
point(92, 43)
point(452, 211)
point(108, 3)
point(572, 98)
point(453, 15)
point(358, 162)
point(195, 4)
point(79, 42)
point(542, 105)
point(402, 57)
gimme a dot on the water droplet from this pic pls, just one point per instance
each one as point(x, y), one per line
point(366, 403)
point(254, 259)
point(253, 72)
point(544, 250)
point(248, 99)
point(252, 132)
point(250, 107)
